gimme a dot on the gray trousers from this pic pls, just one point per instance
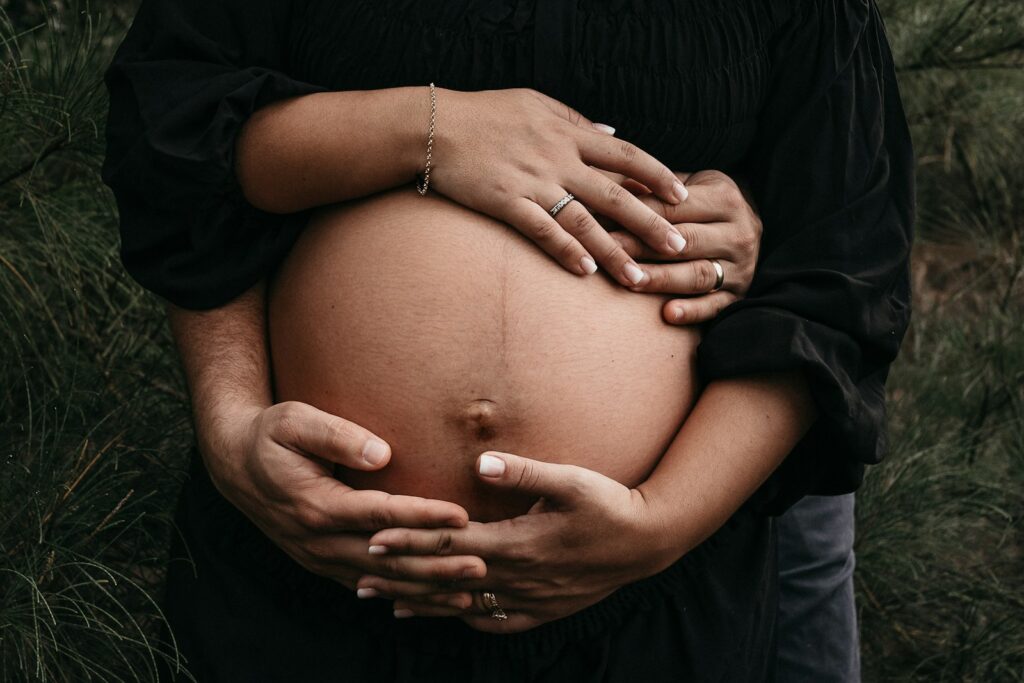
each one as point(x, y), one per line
point(817, 628)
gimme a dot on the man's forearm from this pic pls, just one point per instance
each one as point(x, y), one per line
point(224, 354)
point(736, 436)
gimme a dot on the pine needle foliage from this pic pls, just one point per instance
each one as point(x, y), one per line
point(93, 422)
point(940, 574)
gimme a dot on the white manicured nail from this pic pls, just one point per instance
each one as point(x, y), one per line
point(676, 242)
point(378, 550)
point(605, 128)
point(491, 466)
point(681, 192)
point(634, 274)
point(366, 593)
point(588, 265)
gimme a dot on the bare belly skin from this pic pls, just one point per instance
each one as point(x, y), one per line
point(448, 334)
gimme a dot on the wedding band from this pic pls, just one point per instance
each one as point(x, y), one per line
point(719, 275)
point(491, 603)
point(561, 204)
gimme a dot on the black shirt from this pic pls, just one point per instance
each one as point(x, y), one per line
point(799, 97)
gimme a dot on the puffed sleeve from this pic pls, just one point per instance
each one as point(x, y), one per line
point(832, 174)
point(186, 78)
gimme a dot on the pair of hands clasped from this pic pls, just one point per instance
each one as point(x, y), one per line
point(511, 154)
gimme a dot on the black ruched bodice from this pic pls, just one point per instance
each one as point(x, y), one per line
point(683, 80)
point(797, 97)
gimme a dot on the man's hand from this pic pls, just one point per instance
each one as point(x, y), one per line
point(719, 224)
point(275, 463)
point(277, 468)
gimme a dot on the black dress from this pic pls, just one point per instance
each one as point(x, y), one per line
point(798, 97)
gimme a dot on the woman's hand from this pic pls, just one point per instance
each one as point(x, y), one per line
point(513, 154)
point(265, 467)
point(718, 223)
point(586, 536)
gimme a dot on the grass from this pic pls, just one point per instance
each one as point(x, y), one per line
point(94, 425)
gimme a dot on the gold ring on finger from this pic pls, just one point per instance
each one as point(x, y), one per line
point(491, 603)
point(719, 275)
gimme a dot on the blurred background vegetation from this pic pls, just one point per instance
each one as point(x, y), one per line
point(94, 424)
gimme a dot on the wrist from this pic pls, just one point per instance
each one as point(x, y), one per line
point(223, 436)
point(413, 126)
point(659, 538)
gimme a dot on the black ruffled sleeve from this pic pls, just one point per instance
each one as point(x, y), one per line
point(185, 79)
point(831, 171)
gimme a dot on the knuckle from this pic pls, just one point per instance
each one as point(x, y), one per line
point(747, 242)
point(380, 516)
point(443, 544)
point(615, 258)
point(729, 194)
point(716, 177)
point(694, 240)
point(392, 566)
point(704, 275)
point(582, 222)
point(543, 229)
point(317, 554)
point(568, 252)
point(339, 431)
point(616, 194)
point(654, 223)
point(312, 517)
point(287, 420)
point(628, 151)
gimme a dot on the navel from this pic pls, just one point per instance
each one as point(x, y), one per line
point(480, 418)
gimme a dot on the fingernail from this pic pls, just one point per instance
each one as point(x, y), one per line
point(491, 466)
point(634, 274)
point(605, 128)
point(471, 573)
point(366, 593)
point(677, 313)
point(588, 265)
point(681, 192)
point(374, 451)
point(378, 550)
point(404, 613)
point(675, 241)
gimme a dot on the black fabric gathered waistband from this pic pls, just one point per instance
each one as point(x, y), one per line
point(234, 540)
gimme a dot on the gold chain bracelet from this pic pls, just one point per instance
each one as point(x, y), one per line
point(422, 186)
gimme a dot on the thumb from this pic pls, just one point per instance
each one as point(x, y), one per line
point(557, 483)
point(316, 432)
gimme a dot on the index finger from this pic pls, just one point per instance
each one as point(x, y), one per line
point(488, 540)
point(374, 510)
point(622, 156)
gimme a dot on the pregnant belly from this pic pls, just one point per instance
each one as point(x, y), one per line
point(448, 334)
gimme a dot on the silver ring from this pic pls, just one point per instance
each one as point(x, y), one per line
point(719, 275)
point(561, 204)
point(491, 603)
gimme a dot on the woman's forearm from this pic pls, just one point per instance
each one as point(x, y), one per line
point(328, 147)
point(737, 434)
